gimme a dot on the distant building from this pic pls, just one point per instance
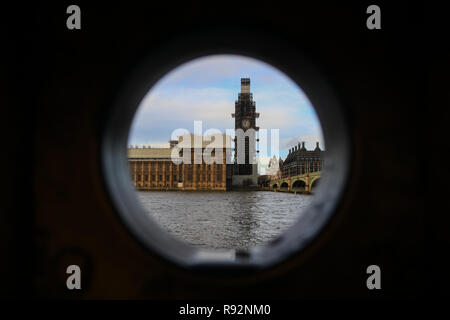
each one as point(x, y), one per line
point(166, 168)
point(300, 161)
point(274, 167)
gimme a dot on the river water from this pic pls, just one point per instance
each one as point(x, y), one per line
point(224, 220)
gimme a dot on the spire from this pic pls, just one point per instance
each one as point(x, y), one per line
point(317, 147)
point(303, 146)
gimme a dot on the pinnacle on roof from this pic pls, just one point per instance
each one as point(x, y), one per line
point(317, 147)
point(303, 146)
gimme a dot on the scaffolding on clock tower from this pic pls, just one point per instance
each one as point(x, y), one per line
point(245, 115)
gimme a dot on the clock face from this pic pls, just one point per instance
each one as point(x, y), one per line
point(246, 123)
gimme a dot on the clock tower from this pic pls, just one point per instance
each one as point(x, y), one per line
point(245, 118)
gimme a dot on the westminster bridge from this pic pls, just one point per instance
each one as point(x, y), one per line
point(306, 182)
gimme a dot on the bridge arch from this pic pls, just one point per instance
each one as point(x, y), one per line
point(275, 186)
point(284, 185)
point(298, 185)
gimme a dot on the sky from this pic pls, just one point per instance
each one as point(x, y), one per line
point(205, 89)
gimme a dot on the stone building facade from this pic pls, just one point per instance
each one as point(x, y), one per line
point(301, 161)
point(168, 168)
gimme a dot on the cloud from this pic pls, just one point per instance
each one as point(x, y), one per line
point(161, 114)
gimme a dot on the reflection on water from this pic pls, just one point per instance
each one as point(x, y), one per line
point(231, 220)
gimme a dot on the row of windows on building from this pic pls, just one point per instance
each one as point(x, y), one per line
point(156, 172)
point(200, 177)
point(302, 167)
point(166, 165)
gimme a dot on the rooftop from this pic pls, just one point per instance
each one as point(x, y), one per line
point(186, 141)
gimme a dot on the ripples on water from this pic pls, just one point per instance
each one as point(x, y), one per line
point(228, 220)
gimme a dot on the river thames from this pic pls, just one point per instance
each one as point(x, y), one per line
point(225, 220)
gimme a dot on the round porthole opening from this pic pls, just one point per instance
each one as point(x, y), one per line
point(227, 156)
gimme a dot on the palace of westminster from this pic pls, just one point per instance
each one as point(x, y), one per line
point(157, 168)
